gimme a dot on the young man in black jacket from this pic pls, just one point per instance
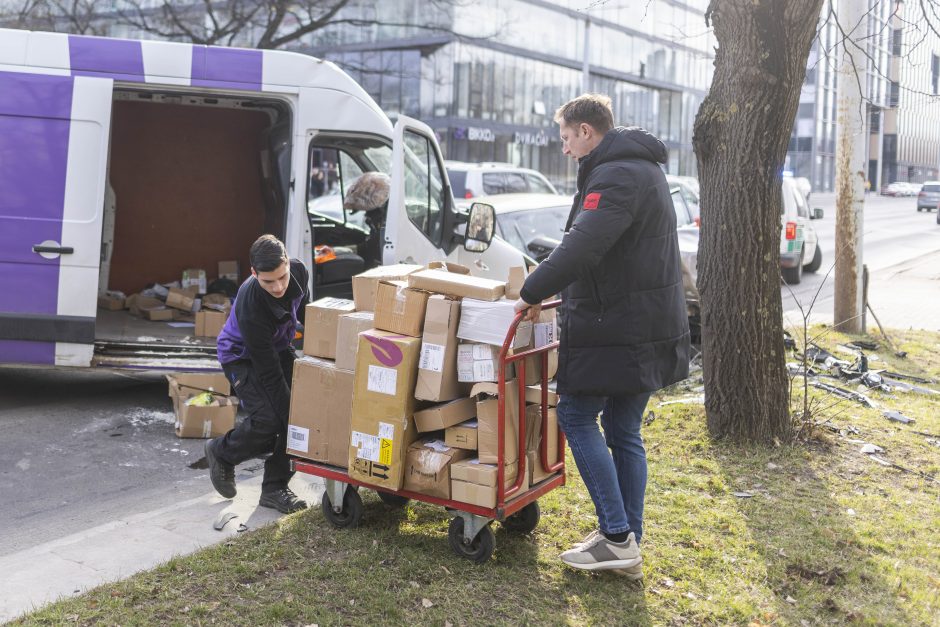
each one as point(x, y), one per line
point(257, 356)
point(624, 328)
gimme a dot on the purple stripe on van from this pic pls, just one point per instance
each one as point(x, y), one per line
point(235, 68)
point(35, 113)
point(18, 352)
point(119, 59)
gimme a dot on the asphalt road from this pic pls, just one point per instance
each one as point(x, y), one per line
point(894, 232)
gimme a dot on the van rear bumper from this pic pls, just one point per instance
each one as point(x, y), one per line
point(789, 260)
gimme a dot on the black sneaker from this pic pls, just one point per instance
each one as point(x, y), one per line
point(282, 500)
point(221, 474)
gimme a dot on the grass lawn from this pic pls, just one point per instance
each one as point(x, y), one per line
point(816, 533)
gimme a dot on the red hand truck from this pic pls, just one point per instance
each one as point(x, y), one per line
point(469, 534)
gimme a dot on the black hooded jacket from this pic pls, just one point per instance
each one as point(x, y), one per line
point(624, 321)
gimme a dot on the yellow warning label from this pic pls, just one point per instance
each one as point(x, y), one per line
point(385, 452)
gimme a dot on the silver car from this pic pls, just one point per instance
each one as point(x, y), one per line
point(929, 196)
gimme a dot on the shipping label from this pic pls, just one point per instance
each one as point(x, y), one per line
point(367, 446)
point(298, 438)
point(382, 380)
point(484, 371)
point(432, 357)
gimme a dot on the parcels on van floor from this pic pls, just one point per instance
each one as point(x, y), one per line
point(209, 323)
point(194, 277)
point(195, 419)
point(474, 482)
point(183, 299)
point(437, 368)
point(427, 468)
point(321, 323)
point(111, 300)
point(489, 322)
point(320, 411)
point(349, 327)
point(365, 284)
point(399, 308)
point(383, 406)
point(229, 270)
point(445, 415)
point(457, 285)
point(488, 419)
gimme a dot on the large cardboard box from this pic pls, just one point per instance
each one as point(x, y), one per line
point(427, 467)
point(348, 328)
point(183, 299)
point(457, 285)
point(475, 482)
point(229, 270)
point(320, 411)
point(112, 301)
point(196, 421)
point(383, 406)
point(534, 436)
point(210, 323)
point(399, 308)
point(477, 363)
point(533, 394)
point(488, 419)
point(365, 284)
point(489, 322)
point(437, 368)
point(464, 435)
point(445, 415)
point(321, 322)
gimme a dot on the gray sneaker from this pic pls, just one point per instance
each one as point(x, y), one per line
point(596, 552)
point(634, 573)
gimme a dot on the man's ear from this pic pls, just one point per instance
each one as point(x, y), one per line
point(253, 273)
point(586, 129)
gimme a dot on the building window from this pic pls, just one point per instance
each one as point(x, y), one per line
point(896, 42)
point(895, 94)
point(935, 72)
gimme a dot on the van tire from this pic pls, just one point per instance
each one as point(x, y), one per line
point(814, 265)
point(792, 276)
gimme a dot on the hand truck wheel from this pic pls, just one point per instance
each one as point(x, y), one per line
point(393, 500)
point(525, 520)
point(351, 513)
point(477, 550)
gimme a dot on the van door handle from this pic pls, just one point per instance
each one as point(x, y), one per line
point(61, 250)
point(481, 265)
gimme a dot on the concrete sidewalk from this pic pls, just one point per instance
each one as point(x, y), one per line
point(71, 565)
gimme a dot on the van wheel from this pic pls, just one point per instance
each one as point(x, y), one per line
point(816, 262)
point(792, 276)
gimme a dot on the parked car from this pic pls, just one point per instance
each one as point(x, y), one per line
point(470, 180)
point(688, 188)
point(901, 188)
point(929, 196)
point(799, 244)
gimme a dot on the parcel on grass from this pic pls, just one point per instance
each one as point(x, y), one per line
point(399, 308)
point(437, 368)
point(488, 422)
point(320, 411)
point(474, 482)
point(321, 320)
point(200, 413)
point(383, 406)
point(427, 469)
point(347, 337)
point(365, 284)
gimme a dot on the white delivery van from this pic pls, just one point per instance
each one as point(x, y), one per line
point(123, 163)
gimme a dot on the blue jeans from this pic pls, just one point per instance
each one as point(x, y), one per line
point(612, 465)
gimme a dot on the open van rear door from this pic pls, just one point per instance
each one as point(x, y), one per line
point(53, 158)
point(419, 204)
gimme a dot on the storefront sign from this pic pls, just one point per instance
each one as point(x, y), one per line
point(531, 139)
point(474, 134)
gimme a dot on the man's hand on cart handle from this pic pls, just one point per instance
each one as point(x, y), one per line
point(531, 311)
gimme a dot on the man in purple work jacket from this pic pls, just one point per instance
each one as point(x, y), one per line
point(257, 357)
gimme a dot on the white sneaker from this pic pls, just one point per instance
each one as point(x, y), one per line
point(634, 573)
point(596, 552)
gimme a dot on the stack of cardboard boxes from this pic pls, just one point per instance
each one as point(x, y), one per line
point(381, 392)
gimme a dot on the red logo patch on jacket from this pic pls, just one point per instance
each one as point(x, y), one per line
point(591, 201)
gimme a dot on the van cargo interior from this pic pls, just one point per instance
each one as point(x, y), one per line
point(195, 181)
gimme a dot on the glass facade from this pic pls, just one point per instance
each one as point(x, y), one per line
point(488, 75)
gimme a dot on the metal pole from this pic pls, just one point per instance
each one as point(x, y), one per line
point(850, 168)
point(586, 58)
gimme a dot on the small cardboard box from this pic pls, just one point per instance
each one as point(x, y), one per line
point(320, 411)
point(445, 415)
point(112, 301)
point(194, 277)
point(383, 406)
point(475, 482)
point(229, 270)
point(457, 285)
point(488, 419)
point(399, 308)
point(477, 363)
point(463, 435)
point(427, 467)
point(183, 299)
point(159, 314)
point(216, 302)
point(437, 368)
point(347, 337)
point(321, 323)
point(192, 383)
point(140, 305)
point(210, 323)
point(202, 421)
point(533, 394)
point(365, 284)
point(489, 322)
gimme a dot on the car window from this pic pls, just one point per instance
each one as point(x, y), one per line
point(538, 184)
point(458, 182)
point(682, 211)
point(930, 188)
point(493, 183)
point(514, 183)
point(788, 204)
point(424, 191)
point(801, 209)
point(519, 228)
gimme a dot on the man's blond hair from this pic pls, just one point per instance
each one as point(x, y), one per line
point(592, 109)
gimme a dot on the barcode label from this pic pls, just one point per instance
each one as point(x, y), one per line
point(298, 438)
point(367, 446)
point(432, 357)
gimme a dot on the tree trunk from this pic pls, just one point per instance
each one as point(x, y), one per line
point(741, 134)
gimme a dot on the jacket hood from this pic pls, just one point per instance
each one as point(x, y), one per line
point(624, 142)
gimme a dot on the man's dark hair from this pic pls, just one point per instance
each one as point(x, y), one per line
point(592, 109)
point(267, 253)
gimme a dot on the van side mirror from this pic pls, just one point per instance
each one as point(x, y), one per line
point(481, 225)
point(817, 213)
